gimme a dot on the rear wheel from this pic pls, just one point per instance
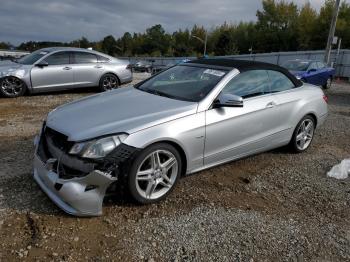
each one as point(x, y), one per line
point(154, 173)
point(11, 86)
point(303, 134)
point(108, 82)
point(328, 84)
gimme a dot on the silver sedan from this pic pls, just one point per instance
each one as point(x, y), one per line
point(190, 117)
point(52, 69)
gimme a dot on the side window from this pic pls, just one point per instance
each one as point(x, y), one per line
point(248, 84)
point(313, 66)
point(60, 58)
point(279, 82)
point(102, 59)
point(84, 58)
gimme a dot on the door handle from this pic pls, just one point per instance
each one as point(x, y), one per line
point(98, 66)
point(271, 104)
point(67, 68)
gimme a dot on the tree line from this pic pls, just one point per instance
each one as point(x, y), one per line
point(280, 26)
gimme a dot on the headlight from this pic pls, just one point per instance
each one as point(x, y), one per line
point(97, 148)
point(298, 77)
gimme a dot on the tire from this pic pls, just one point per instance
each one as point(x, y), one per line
point(303, 134)
point(11, 87)
point(108, 82)
point(328, 84)
point(149, 183)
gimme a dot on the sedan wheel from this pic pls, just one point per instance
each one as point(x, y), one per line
point(12, 87)
point(155, 173)
point(109, 82)
point(303, 134)
point(328, 83)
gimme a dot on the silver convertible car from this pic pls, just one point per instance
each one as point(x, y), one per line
point(60, 68)
point(141, 139)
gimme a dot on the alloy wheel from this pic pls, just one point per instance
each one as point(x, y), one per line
point(157, 174)
point(12, 86)
point(109, 82)
point(304, 134)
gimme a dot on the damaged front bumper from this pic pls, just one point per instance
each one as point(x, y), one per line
point(82, 193)
point(80, 196)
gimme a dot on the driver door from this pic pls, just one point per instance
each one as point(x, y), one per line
point(233, 132)
point(58, 74)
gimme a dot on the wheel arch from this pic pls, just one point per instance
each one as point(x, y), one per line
point(26, 85)
point(110, 73)
point(178, 147)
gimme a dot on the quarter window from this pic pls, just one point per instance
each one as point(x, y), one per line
point(84, 58)
point(279, 82)
point(102, 59)
point(248, 84)
point(60, 58)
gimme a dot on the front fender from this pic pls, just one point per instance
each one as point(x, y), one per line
point(22, 73)
point(187, 132)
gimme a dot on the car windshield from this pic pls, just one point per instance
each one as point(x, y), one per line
point(32, 58)
point(296, 65)
point(183, 82)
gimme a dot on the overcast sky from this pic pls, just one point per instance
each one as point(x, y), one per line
point(66, 20)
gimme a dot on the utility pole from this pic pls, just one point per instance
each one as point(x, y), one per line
point(331, 32)
point(205, 43)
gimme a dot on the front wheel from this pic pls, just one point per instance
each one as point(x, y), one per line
point(154, 173)
point(108, 82)
point(303, 134)
point(11, 86)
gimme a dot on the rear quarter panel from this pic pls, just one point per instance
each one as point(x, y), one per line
point(307, 99)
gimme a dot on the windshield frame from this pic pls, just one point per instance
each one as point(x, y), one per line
point(171, 96)
point(47, 52)
point(300, 62)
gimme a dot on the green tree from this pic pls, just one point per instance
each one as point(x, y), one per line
point(276, 26)
point(343, 24)
point(306, 26)
point(182, 43)
point(4, 45)
point(109, 45)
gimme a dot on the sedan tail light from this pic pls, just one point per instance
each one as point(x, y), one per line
point(325, 98)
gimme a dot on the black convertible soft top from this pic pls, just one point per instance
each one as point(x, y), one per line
point(246, 65)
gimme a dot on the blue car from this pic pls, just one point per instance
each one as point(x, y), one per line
point(310, 71)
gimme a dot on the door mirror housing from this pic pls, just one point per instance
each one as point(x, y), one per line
point(228, 100)
point(42, 63)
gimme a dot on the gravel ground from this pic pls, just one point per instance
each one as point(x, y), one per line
point(275, 206)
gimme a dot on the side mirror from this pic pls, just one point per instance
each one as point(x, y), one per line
point(42, 63)
point(228, 100)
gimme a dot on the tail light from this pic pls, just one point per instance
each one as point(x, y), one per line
point(325, 98)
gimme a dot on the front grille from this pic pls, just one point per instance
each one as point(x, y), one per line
point(59, 140)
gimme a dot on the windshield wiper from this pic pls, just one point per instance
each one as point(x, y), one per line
point(159, 93)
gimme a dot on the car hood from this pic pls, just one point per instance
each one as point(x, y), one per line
point(122, 110)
